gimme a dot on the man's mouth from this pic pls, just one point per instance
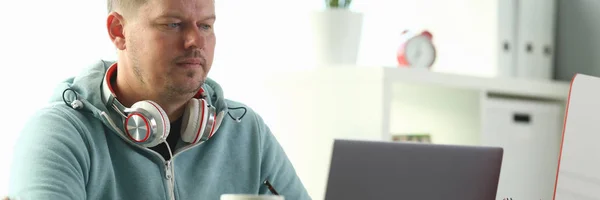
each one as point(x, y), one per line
point(191, 63)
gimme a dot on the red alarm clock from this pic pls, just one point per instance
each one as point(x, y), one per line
point(416, 50)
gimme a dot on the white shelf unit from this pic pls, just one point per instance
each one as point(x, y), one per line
point(308, 108)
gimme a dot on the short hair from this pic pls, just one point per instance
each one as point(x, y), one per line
point(124, 6)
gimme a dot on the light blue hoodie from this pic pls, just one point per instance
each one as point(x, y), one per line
point(63, 154)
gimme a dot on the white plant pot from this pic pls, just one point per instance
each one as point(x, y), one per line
point(336, 36)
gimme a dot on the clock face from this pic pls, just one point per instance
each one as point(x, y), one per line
point(420, 52)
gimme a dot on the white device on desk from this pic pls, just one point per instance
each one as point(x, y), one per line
point(578, 174)
point(362, 170)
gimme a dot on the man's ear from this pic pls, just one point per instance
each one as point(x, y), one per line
point(114, 25)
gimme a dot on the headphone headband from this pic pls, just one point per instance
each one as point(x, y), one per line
point(108, 95)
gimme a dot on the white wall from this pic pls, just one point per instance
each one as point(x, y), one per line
point(42, 42)
point(464, 31)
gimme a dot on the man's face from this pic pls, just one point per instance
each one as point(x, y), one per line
point(170, 45)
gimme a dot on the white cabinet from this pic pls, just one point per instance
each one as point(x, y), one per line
point(530, 132)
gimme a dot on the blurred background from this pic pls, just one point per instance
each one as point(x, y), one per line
point(500, 73)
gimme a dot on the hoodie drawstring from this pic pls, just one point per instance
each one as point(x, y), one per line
point(239, 118)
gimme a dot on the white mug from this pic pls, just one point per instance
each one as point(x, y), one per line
point(251, 197)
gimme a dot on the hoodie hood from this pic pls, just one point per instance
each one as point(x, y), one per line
point(87, 87)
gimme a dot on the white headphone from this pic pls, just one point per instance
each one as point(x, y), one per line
point(147, 124)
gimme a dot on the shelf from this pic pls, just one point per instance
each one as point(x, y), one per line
point(512, 87)
point(539, 89)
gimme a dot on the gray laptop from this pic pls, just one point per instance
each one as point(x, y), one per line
point(416, 171)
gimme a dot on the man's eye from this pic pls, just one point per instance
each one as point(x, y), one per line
point(205, 26)
point(174, 25)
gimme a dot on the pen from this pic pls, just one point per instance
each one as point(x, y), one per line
point(270, 187)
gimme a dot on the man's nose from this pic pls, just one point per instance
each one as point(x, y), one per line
point(194, 38)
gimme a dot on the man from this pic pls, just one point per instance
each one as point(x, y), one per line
point(151, 125)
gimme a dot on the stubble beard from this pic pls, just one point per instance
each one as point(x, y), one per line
point(135, 62)
point(172, 90)
point(169, 90)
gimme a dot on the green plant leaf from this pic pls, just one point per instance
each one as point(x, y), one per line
point(332, 3)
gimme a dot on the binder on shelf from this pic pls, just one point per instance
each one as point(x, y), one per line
point(507, 38)
point(535, 38)
point(548, 10)
point(526, 34)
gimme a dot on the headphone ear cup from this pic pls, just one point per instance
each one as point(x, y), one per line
point(198, 132)
point(191, 121)
point(217, 123)
point(211, 123)
point(146, 124)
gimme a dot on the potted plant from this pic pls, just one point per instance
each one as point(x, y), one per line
point(337, 32)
